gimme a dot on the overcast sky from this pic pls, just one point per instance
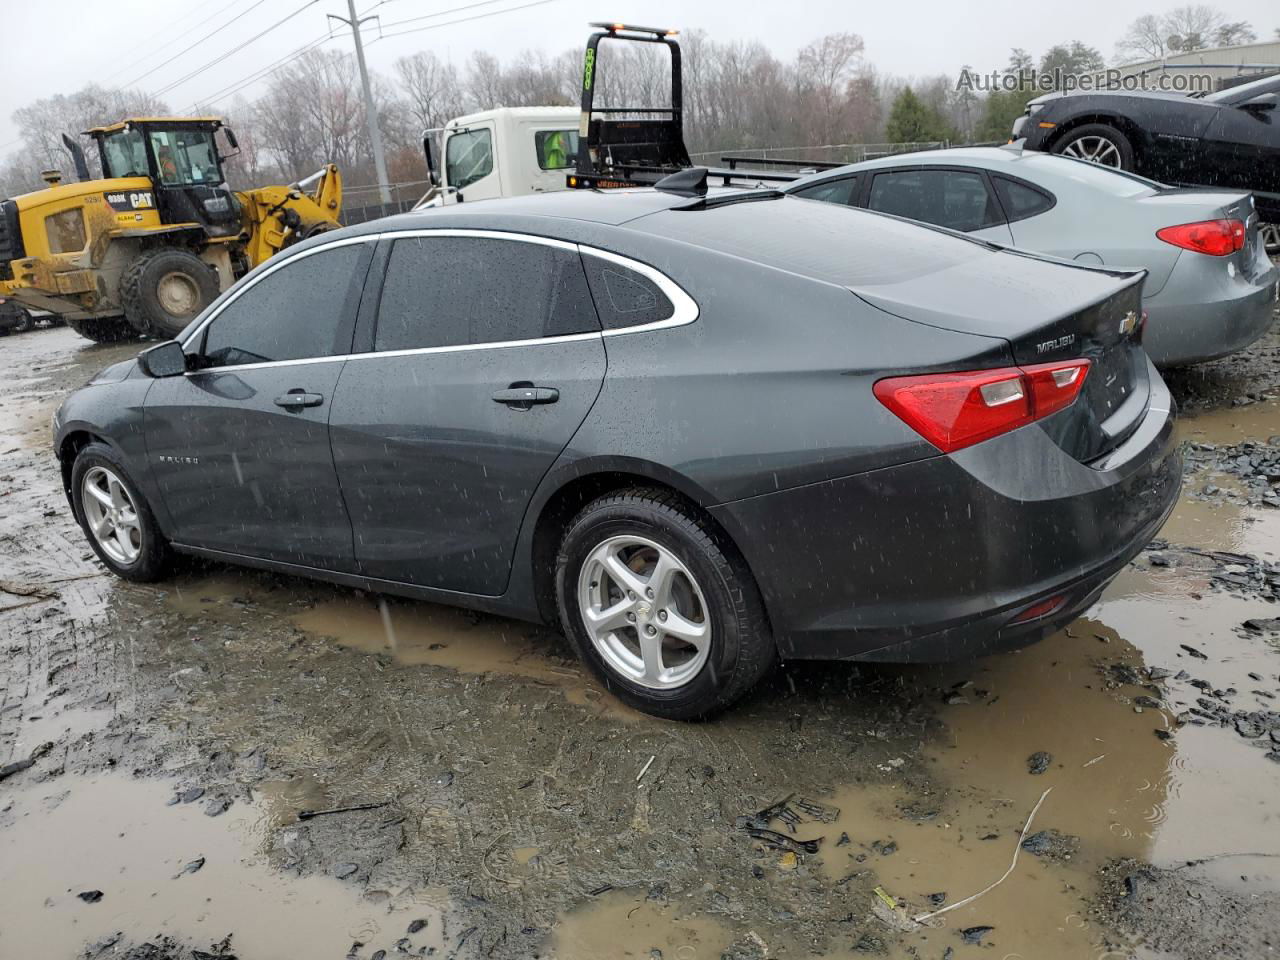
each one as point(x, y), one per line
point(59, 46)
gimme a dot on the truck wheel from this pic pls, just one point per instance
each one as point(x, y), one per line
point(663, 612)
point(163, 291)
point(1098, 143)
point(103, 329)
point(24, 323)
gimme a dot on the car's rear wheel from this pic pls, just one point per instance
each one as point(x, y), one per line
point(1098, 143)
point(116, 517)
point(661, 610)
point(24, 323)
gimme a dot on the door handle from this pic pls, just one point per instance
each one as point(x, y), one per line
point(526, 395)
point(299, 398)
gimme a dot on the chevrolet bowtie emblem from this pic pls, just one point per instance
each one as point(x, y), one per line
point(1129, 322)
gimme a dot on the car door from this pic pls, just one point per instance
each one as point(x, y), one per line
point(959, 199)
point(1244, 144)
point(486, 357)
point(240, 446)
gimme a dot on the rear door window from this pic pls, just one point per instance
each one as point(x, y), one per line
point(304, 309)
point(454, 291)
point(1021, 200)
point(625, 297)
point(844, 191)
point(957, 199)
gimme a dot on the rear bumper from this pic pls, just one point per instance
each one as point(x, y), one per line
point(1207, 313)
point(932, 560)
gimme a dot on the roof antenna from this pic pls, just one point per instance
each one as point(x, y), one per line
point(691, 182)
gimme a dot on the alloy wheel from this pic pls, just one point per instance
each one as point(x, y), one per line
point(1094, 149)
point(644, 612)
point(112, 515)
point(1270, 233)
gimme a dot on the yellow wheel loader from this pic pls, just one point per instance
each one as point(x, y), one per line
point(146, 248)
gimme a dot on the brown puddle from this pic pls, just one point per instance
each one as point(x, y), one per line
point(623, 924)
point(117, 836)
point(412, 633)
point(1254, 421)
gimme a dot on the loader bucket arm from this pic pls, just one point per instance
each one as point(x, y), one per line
point(273, 218)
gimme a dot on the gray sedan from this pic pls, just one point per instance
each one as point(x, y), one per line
point(1210, 288)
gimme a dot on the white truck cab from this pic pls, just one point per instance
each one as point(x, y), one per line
point(507, 152)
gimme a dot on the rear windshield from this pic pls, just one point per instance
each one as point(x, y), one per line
point(1244, 91)
point(1118, 183)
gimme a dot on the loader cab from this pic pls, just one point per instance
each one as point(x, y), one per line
point(180, 156)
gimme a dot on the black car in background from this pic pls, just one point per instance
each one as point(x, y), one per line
point(1226, 139)
point(14, 318)
point(698, 433)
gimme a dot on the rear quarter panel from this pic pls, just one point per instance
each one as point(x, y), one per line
point(770, 387)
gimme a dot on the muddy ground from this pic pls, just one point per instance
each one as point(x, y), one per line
point(503, 805)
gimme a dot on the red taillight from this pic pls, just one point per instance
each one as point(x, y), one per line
point(1217, 238)
point(956, 410)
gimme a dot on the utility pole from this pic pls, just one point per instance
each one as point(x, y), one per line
point(370, 114)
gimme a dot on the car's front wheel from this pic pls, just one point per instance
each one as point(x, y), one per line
point(116, 517)
point(1098, 143)
point(661, 610)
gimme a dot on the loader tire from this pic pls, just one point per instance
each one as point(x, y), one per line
point(165, 289)
point(104, 329)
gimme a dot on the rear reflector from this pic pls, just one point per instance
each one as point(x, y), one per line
point(957, 410)
point(1217, 238)
point(1041, 609)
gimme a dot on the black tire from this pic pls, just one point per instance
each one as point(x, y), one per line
point(1082, 138)
point(104, 329)
point(742, 649)
point(144, 302)
point(24, 323)
point(154, 560)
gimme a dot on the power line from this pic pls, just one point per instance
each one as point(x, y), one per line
point(187, 49)
point(217, 60)
point(163, 30)
point(443, 13)
point(449, 23)
point(238, 85)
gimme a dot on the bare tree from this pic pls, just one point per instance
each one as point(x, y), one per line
point(431, 89)
point(1145, 39)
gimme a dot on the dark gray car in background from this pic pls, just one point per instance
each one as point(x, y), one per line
point(699, 433)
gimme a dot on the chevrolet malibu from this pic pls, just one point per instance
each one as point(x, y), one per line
point(700, 433)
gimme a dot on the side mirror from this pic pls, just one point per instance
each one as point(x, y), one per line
point(231, 138)
point(1262, 102)
point(432, 173)
point(163, 360)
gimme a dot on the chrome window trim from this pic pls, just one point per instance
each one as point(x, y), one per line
point(684, 308)
point(332, 245)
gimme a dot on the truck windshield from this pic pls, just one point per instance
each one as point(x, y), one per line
point(468, 156)
point(123, 154)
point(185, 157)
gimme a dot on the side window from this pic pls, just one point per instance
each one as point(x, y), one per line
point(1022, 200)
point(956, 199)
point(457, 291)
point(468, 157)
point(557, 149)
point(623, 297)
point(304, 309)
point(844, 190)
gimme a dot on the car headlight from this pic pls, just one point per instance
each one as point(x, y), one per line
point(1034, 108)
